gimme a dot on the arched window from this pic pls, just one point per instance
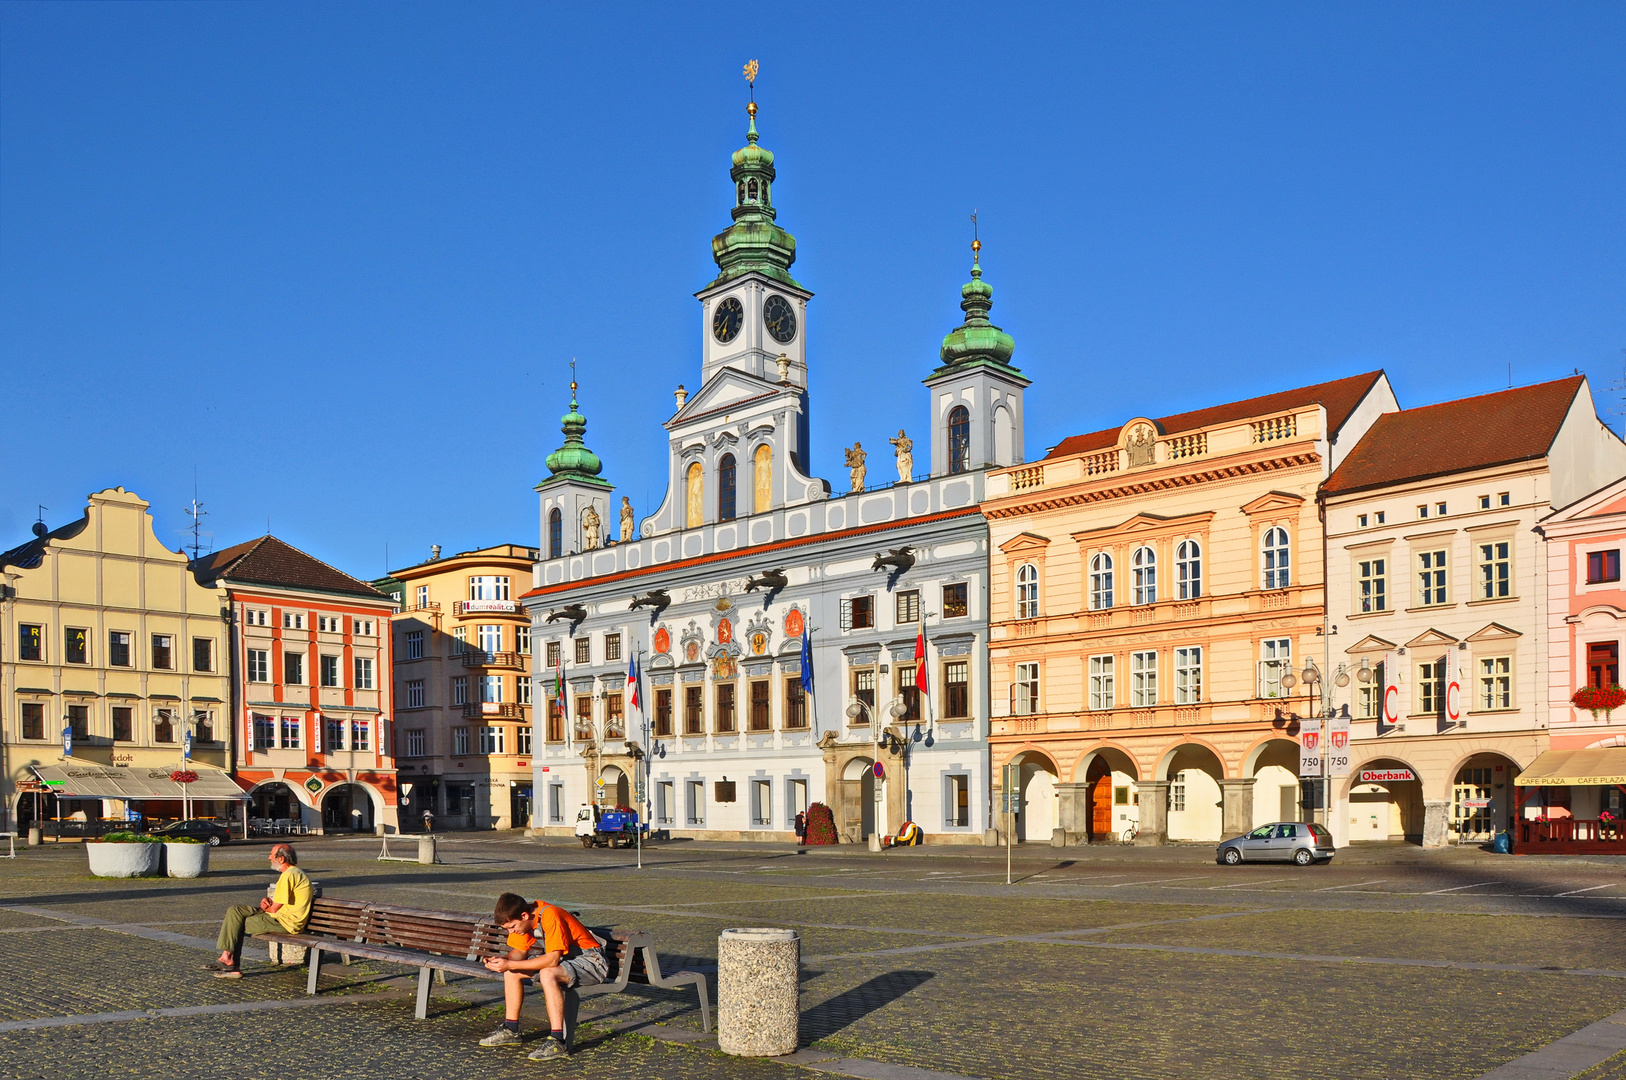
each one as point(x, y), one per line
point(751, 191)
point(1144, 567)
point(556, 533)
point(959, 439)
point(695, 514)
point(1027, 591)
point(742, 191)
point(726, 476)
point(762, 479)
point(1188, 569)
point(1276, 559)
point(1101, 582)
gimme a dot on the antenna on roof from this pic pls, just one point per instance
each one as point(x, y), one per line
point(42, 510)
point(197, 513)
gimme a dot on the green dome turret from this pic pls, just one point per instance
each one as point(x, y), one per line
point(753, 242)
point(977, 341)
point(573, 460)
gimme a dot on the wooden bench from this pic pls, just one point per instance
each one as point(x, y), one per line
point(448, 941)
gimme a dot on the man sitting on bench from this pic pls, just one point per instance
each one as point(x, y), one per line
point(285, 911)
point(572, 955)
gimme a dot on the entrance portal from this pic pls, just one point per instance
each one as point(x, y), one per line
point(347, 808)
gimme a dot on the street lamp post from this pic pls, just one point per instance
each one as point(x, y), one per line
point(1324, 713)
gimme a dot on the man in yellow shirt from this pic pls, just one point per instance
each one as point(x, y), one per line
point(285, 911)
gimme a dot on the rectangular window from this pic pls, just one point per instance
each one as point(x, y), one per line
point(909, 693)
point(460, 689)
point(1603, 664)
point(522, 739)
point(584, 650)
point(1177, 794)
point(556, 721)
point(118, 648)
point(612, 647)
point(1142, 679)
point(522, 640)
point(1188, 675)
point(1484, 502)
point(1430, 578)
point(335, 734)
point(256, 617)
point(1431, 687)
point(292, 620)
point(328, 624)
point(364, 672)
point(956, 690)
point(663, 713)
point(584, 718)
point(958, 814)
point(954, 601)
point(75, 646)
point(1505, 499)
point(1025, 690)
point(908, 606)
point(414, 645)
point(695, 797)
point(33, 720)
point(293, 668)
point(123, 723)
point(265, 732)
point(1422, 511)
point(552, 653)
point(665, 802)
point(1495, 570)
point(1602, 566)
point(460, 640)
point(693, 710)
point(460, 742)
point(423, 596)
point(761, 804)
point(330, 670)
point(1360, 521)
point(858, 613)
point(761, 705)
point(1439, 509)
point(795, 703)
point(414, 693)
point(490, 638)
point(491, 689)
point(79, 721)
point(615, 717)
point(724, 713)
point(488, 587)
point(491, 740)
point(30, 641)
point(1496, 682)
point(1103, 689)
point(1275, 659)
point(417, 742)
point(259, 665)
point(290, 733)
point(361, 627)
point(203, 654)
point(163, 652)
point(1374, 585)
point(1381, 515)
point(522, 686)
point(863, 690)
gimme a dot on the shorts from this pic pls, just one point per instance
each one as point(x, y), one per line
point(586, 968)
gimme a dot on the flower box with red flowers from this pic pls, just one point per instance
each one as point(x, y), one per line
point(1597, 699)
point(183, 776)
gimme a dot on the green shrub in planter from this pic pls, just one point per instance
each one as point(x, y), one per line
point(179, 839)
point(127, 838)
point(125, 855)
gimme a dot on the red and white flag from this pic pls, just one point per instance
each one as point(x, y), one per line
point(920, 661)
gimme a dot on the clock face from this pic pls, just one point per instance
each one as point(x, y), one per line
point(781, 319)
point(725, 324)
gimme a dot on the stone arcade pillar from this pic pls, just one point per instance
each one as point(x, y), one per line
point(1435, 816)
point(1154, 812)
point(1238, 807)
point(1073, 813)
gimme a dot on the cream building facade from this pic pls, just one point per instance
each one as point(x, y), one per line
point(1437, 576)
point(108, 633)
point(1150, 587)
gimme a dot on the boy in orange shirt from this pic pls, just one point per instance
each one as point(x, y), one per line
point(571, 955)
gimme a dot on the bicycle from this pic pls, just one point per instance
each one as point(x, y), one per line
point(1127, 834)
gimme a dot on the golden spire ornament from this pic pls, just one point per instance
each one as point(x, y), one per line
point(976, 244)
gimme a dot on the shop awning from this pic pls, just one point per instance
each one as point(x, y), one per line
point(1562, 768)
point(91, 781)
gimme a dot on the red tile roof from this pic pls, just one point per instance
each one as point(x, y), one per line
point(1339, 397)
point(269, 561)
point(1453, 436)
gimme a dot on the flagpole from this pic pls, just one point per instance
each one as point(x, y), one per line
point(642, 782)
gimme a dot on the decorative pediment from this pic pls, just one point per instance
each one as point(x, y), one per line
point(1144, 524)
point(1025, 541)
point(1371, 643)
point(1598, 616)
point(1494, 632)
point(1273, 502)
point(1431, 639)
point(728, 387)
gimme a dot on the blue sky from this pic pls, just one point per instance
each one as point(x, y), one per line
point(333, 260)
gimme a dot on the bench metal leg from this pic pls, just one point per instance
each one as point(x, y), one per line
point(573, 1005)
point(705, 1006)
point(316, 970)
point(423, 993)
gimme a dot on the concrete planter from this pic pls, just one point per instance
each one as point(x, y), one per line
point(187, 860)
point(124, 860)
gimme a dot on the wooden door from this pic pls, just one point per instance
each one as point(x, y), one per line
point(1100, 780)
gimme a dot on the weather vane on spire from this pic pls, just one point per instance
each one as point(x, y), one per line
point(751, 69)
point(976, 243)
point(572, 382)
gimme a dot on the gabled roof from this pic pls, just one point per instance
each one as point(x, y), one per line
point(1455, 436)
point(28, 556)
point(1339, 398)
point(269, 561)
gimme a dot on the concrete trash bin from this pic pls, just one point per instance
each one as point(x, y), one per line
point(426, 849)
point(758, 991)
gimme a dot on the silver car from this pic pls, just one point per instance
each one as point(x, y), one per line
point(1300, 842)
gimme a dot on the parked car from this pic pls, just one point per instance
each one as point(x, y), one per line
point(212, 831)
point(1300, 842)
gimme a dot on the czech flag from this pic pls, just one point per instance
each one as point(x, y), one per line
point(920, 661)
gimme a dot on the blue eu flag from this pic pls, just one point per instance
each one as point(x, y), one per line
point(807, 660)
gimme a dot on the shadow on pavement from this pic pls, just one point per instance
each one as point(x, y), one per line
point(831, 1016)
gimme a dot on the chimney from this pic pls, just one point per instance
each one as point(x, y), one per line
point(434, 552)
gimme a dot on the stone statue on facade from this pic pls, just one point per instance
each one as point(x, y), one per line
point(906, 456)
point(1141, 445)
point(590, 527)
point(626, 519)
point(855, 462)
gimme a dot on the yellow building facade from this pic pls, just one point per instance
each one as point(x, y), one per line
point(106, 632)
point(1150, 586)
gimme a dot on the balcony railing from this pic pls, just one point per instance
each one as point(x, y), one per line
point(481, 658)
point(493, 710)
point(1030, 477)
point(1275, 429)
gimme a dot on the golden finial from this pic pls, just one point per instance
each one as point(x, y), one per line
point(572, 382)
point(976, 244)
point(751, 69)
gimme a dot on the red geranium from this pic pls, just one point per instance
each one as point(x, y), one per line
point(1597, 699)
point(183, 776)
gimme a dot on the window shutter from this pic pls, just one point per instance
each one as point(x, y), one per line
point(846, 614)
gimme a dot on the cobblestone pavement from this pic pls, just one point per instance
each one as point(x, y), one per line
point(1124, 963)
